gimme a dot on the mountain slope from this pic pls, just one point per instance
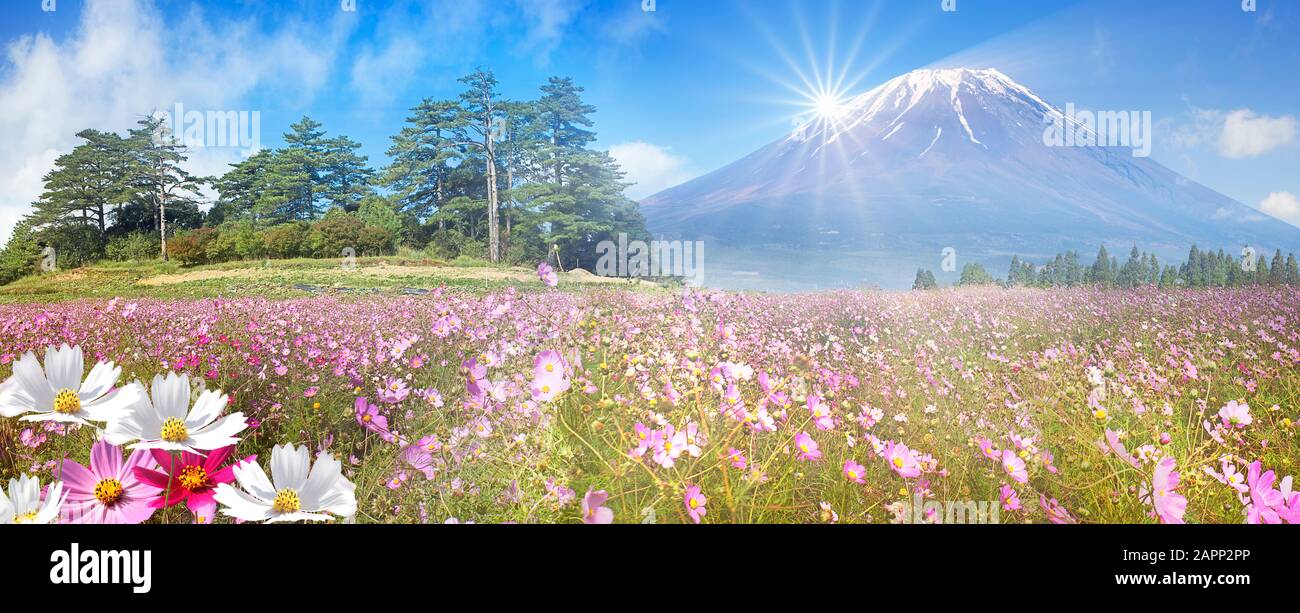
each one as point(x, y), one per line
point(935, 159)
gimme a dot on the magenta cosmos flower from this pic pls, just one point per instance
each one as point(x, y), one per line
point(1014, 466)
point(1010, 499)
point(592, 510)
point(1169, 506)
point(550, 376)
point(191, 479)
point(108, 492)
point(1264, 500)
point(547, 275)
point(902, 460)
point(695, 502)
point(854, 471)
point(369, 417)
point(808, 449)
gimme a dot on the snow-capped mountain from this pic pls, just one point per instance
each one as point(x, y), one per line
point(936, 159)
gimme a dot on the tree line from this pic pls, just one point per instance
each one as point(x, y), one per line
point(1203, 268)
point(507, 181)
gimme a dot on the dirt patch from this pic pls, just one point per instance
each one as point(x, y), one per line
point(205, 275)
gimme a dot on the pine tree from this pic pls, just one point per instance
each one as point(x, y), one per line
point(424, 154)
point(344, 174)
point(1099, 274)
point(1277, 269)
point(1262, 273)
point(924, 280)
point(974, 274)
point(477, 121)
point(564, 120)
point(157, 173)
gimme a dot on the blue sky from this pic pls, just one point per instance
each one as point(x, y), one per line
point(681, 90)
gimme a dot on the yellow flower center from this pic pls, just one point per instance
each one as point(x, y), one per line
point(108, 492)
point(67, 402)
point(25, 518)
point(550, 368)
point(173, 430)
point(286, 501)
point(193, 477)
point(803, 448)
point(546, 389)
point(898, 462)
point(853, 474)
point(694, 504)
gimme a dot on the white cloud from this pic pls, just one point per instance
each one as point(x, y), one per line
point(546, 22)
point(1282, 205)
point(651, 168)
point(413, 35)
point(123, 62)
point(1246, 134)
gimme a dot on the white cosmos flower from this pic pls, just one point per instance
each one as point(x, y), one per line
point(56, 392)
point(293, 493)
point(23, 504)
point(170, 424)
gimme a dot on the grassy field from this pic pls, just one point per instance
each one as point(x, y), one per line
point(492, 398)
point(274, 279)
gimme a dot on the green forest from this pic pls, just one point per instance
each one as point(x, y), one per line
point(1203, 268)
point(479, 177)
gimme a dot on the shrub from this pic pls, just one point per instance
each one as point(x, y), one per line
point(376, 212)
point(132, 247)
point(191, 246)
point(447, 244)
point(285, 241)
point(334, 233)
point(235, 242)
point(375, 241)
point(19, 256)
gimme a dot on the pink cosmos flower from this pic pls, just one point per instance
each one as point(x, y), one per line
point(1230, 476)
point(108, 492)
point(1235, 414)
point(1169, 506)
point(419, 456)
point(808, 450)
point(854, 471)
point(547, 275)
point(1010, 499)
point(1014, 466)
point(1263, 498)
point(1289, 508)
point(901, 460)
point(1112, 440)
point(668, 445)
point(821, 413)
point(191, 480)
point(1055, 512)
point(371, 419)
point(592, 510)
point(986, 448)
point(393, 391)
point(695, 502)
point(737, 458)
point(643, 440)
point(550, 376)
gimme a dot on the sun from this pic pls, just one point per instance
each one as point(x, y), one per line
point(828, 107)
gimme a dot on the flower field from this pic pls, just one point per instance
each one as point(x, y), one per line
point(552, 406)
